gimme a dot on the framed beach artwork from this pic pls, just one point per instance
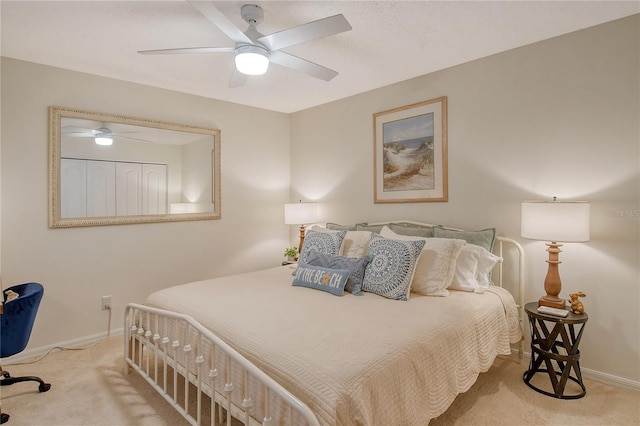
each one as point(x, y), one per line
point(410, 153)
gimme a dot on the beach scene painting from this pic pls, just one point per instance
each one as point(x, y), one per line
point(410, 153)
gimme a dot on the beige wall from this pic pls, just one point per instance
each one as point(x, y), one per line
point(78, 266)
point(555, 118)
point(558, 117)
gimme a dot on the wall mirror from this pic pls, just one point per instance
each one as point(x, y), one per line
point(107, 169)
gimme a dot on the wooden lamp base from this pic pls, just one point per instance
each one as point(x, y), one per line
point(302, 232)
point(552, 303)
point(552, 284)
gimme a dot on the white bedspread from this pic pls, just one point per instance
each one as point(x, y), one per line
point(354, 360)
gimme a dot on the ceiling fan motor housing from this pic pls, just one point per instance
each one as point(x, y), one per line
point(252, 14)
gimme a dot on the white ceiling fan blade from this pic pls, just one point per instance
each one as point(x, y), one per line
point(302, 65)
point(121, 134)
point(212, 13)
point(321, 28)
point(237, 78)
point(76, 129)
point(78, 135)
point(133, 139)
point(186, 50)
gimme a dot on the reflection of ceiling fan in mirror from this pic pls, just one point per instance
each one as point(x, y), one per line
point(254, 51)
point(102, 135)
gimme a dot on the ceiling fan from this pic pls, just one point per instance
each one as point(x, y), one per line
point(254, 51)
point(102, 135)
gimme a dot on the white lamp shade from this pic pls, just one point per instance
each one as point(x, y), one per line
point(252, 60)
point(299, 213)
point(556, 221)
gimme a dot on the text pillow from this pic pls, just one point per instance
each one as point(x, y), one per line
point(390, 271)
point(355, 266)
point(324, 242)
point(319, 278)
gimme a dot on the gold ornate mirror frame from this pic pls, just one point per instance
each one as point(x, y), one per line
point(76, 128)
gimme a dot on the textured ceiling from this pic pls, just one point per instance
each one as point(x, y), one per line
point(391, 41)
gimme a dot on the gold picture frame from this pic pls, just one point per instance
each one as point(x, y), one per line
point(410, 153)
point(135, 141)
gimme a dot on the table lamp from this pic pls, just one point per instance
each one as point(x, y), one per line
point(555, 221)
point(300, 214)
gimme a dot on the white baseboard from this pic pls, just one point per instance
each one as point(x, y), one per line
point(607, 379)
point(69, 344)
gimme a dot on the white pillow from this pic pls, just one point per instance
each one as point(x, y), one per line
point(472, 269)
point(436, 265)
point(355, 243)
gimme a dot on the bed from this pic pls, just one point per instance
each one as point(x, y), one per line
point(264, 351)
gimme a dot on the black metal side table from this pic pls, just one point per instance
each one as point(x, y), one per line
point(557, 349)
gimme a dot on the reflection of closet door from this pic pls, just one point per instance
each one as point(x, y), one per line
point(154, 189)
point(128, 189)
point(73, 193)
point(101, 188)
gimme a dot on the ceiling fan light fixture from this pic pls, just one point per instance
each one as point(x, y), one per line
point(252, 59)
point(104, 140)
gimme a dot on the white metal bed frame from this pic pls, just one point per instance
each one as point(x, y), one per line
point(153, 349)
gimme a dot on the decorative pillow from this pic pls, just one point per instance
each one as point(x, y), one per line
point(371, 228)
point(355, 243)
point(324, 242)
point(319, 278)
point(413, 230)
point(336, 227)
point(483, 238)
point(472, 269)
point(355, 266)
point(436, 266)
point(390, 271)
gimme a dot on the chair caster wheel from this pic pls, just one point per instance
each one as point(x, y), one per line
point(44, 387)
point(4, 417)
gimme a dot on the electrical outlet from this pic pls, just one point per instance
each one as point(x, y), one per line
point(106, 302)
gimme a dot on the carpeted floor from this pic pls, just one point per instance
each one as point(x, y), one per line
point(89, 388)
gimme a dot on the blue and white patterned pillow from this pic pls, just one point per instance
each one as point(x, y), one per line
point(390, 271)
point(355, 265)
point(324, 242)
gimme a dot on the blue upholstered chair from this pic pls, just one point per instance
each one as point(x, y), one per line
point(16, 322)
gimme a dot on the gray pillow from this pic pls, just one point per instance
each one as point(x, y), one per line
point(483, 238)
point(355, 265)
point(412, 230)
point(337, 227)
point(371, 228)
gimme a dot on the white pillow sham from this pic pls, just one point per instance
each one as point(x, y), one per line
point(436, 265)
point(472, 269)
point(355, 243)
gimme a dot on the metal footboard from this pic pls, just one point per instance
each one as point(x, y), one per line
point(518, 292)
point(201, 376)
